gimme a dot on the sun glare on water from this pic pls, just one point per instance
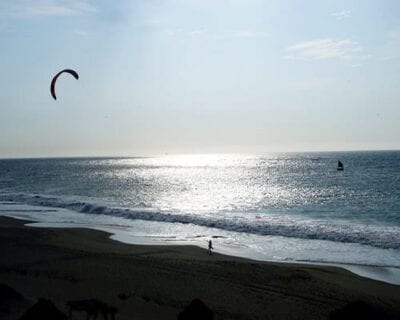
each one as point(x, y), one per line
point(205, 183)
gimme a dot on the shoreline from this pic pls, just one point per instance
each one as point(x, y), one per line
point(70, 264)
point(387, 274)
point(384, 273)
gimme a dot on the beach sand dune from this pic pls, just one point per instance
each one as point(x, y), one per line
point(158, 282)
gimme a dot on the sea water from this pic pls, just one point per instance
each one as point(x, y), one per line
point(292, 207)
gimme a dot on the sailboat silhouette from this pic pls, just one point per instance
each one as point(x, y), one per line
point(340, 165)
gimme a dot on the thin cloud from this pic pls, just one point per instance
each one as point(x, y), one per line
point(80, 33)
point(214, 35)
point(223, 35)
point(154, 22)
point(340, 15)
point(321, 49)
point(198, 32)
point(250, 34)
point(392, 45)
point(34, 8)
point(173, 32)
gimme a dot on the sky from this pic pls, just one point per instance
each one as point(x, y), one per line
point(198, 76)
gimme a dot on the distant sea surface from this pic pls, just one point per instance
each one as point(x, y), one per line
point(282, 207)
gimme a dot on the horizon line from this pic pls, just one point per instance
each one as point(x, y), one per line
point(187, 153)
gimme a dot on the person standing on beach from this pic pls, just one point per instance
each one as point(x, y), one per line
point(210, 247)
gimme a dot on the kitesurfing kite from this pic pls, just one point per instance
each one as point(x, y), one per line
point(53, 82)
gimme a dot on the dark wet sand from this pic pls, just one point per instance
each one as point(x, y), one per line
point(158, 281)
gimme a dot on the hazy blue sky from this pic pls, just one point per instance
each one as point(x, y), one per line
point(199, 76)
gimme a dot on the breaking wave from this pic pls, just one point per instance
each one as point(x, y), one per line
point(385, 237)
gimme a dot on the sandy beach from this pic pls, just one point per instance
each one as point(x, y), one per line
point(157, 282)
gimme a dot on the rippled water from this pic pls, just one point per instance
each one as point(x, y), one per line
point(294, 196)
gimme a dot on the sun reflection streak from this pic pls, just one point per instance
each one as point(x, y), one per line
point(206, 183)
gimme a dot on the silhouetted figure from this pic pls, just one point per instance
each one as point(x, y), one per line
point(340, 165)
point(358, 310)
point(43, 310)
point(210, 247)
point(196, 310)
point(92, 307)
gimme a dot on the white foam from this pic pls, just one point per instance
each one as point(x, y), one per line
point(367, 261)
point(242, 222)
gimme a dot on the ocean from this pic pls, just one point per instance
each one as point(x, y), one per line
point(288, 207)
